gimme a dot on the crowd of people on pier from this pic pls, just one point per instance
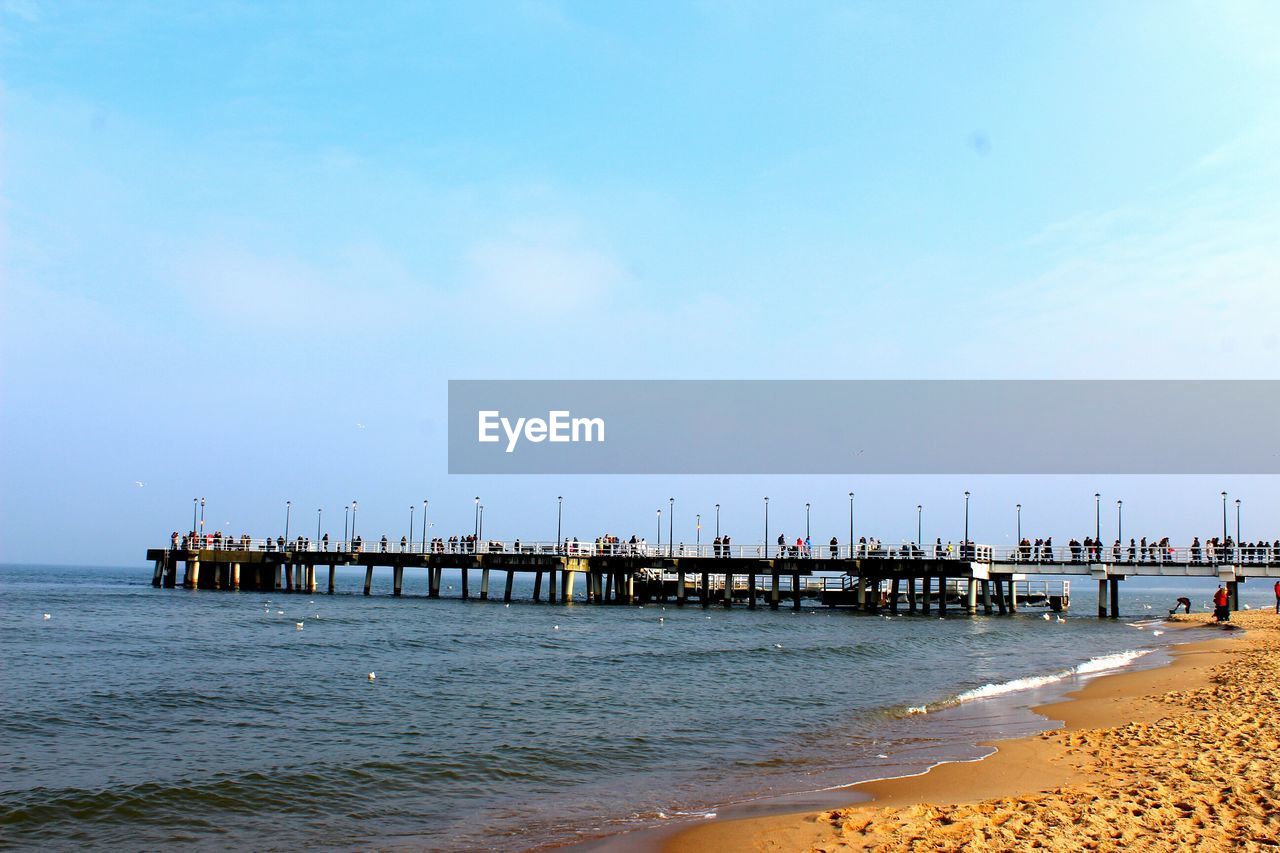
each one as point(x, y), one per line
point(1212, 550)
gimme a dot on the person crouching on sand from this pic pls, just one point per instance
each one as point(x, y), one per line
point(1183, 602)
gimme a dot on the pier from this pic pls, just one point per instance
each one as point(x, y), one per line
point(960, 579)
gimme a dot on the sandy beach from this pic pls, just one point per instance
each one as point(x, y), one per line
point(1169, 758)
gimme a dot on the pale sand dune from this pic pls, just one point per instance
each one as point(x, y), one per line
point(1181, 757)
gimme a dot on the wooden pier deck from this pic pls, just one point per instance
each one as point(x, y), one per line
point(981, 579)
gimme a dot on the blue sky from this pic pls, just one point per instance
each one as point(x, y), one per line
point(243, 246)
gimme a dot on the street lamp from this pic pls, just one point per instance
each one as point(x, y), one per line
point(202, 518)
point(411, 509)
point(1018, 507)
point(346, 515)
point(559, 518)
point(1237, 522)
point(355, 505)
point(1224, 520)
point(806, 521)
point(288, 509)
point(1097, 519)
point(475, 531)
point(319, 513)
point(766, 527)
point(480, 525)
point(424, 527)
point(659, 532)
point(717, 521)
point(919, 524)
point(671, 526)
point(697, 534)
point(1120, 522)
point(851, 525)
point(966, 523)
point(195, 508)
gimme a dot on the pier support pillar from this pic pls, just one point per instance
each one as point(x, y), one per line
point(566, 587)
point(537, 586)
point(972, 603)
point(1115, 597)
point(433, 581)
point(862, 592)
point(680, 591)
point(631, 588)
point(484, 585)
point(1000, 601)
point(551, 586)
point(397, 580)
point(775, 594)
point(942, 595)
point(893, 596)
point(235, 575)
point(299, 577)
point(170, 575)
point(728, 588)
point(1233, 596)
point(288, 577)
point(1102, 598)
point(795, 590)
point(705, 595)
point(466, 584)
point(911, 595)
point(607, 580)
point(276, 582)
point(506, 590)
point(333, 571)
point(1013, 596)
point(192, 580)
point(368, 579)
point(311, 578)
point(157, 577)
point(925, 583)
point(751, 590)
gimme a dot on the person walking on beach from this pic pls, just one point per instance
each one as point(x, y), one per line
point(1278, 596)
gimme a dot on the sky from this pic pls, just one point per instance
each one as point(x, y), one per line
point(243, 246)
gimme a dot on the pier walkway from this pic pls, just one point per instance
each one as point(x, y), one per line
point(967, 577)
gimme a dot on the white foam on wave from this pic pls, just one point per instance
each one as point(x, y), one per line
point(1089, 667)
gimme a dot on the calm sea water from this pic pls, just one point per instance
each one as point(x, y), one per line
point(134, 717)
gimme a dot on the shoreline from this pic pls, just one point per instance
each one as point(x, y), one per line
point(905, 810)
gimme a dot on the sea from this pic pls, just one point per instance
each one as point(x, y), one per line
point(134, 717)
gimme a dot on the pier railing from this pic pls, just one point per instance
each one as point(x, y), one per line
point(1137, 555)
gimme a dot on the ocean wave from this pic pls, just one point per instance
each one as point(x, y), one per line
point(1089, 667)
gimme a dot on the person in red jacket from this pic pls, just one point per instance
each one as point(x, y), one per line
point(1220, 610)
point(1278, 596)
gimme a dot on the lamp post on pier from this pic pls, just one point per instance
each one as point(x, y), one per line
point(1224, 521)
point(195, 508)
point(919, 525)
point(671, 526)
point(411, 509)
point(475, 530)
point(965, 546)
point(1237, 522)
point(355, 505)
point(1097, 519)
point(717, 521)
point(480, 525)
point(659, 531)
point(697, 534)
point(424, 527)
point(851, 526)
point(202, 519)
point(806, 521)
point(288, 509)
point(319, 514)
point(766, 527)
point(1018, 507)
point(1120, 522)
point(559, 519)
point(346, 516)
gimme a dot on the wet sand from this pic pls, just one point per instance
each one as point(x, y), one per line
point(1160, 759)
